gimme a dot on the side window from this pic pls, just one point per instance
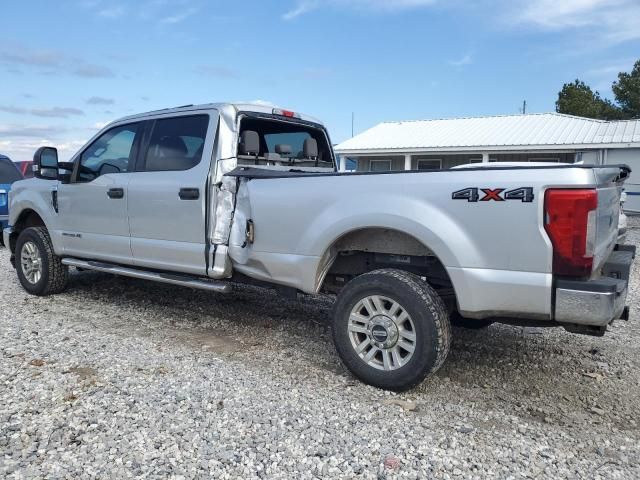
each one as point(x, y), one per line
point(176, 143)
point(380, 166)
point(112, 152)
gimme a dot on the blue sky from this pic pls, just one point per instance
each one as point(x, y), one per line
point(68, 67)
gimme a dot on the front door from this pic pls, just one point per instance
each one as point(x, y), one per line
point(92, 208)
point(167, 195)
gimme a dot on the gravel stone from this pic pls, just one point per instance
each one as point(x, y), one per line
point(120, 378)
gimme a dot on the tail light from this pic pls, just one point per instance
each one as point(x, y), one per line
point(570, 222)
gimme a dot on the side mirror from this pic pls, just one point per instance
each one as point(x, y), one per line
point(45, 163)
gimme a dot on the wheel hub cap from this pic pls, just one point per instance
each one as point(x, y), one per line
point(31, 262)
point(382, 332)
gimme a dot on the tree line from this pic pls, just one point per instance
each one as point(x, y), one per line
point(577, 98)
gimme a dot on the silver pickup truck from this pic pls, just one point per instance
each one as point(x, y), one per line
point(205, 196)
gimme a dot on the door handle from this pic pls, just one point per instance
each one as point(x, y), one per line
point(115, 193)
point(189, 194)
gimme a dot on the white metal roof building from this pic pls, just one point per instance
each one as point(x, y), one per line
point(444, 143)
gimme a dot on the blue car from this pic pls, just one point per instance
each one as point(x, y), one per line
point(9, 173)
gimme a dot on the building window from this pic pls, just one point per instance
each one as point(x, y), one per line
point(351, 165)
point(380, 165)
point(431, 164)
point(545, 159)
point(475, 160)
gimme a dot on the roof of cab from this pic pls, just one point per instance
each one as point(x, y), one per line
point(230, 108)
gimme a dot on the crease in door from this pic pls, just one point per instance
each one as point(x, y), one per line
point(126, 198)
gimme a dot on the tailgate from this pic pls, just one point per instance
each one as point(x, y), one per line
point(609, 186)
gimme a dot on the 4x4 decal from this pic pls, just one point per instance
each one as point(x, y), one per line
point(472, 194)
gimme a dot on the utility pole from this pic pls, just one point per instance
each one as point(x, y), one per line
point(353, 116)
point(524, 107)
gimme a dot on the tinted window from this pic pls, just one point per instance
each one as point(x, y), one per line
point(8, 171)
point(112, 152)
point(176, 143)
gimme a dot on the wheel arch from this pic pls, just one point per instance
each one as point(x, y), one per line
point(28, 217)
point(375, 240)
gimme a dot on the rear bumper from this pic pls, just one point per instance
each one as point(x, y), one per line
point(596, 302)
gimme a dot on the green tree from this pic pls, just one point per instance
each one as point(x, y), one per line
point(577, 98)
point(627, 91)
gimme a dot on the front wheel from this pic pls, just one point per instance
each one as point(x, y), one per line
point(39, 270)
point(391, 329)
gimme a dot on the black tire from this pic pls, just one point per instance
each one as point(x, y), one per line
point(54, 275)
point(470, 323)
point(428, 315)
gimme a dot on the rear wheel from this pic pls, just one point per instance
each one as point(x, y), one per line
point(39, 269)
point(391, 329)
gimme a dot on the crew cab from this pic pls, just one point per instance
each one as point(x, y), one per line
point(210, 195)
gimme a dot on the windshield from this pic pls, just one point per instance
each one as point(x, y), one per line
point(283, 143)
point(8, 171)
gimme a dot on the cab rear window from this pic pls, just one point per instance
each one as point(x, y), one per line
point(283, 143)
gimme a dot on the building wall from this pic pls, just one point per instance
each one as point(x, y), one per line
point(533, 157)
point(591, 157)
point(449, 161)
point(631, 157)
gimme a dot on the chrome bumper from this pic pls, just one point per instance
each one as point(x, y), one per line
point(596, 302)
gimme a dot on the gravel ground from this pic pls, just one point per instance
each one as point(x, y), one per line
point(120, 378)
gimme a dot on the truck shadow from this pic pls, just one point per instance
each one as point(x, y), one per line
point(250, 307)
point(291, 339)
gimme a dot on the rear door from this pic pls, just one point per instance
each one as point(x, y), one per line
point(167, 194)
point(92, 208)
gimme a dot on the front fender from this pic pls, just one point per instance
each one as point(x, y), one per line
point(35, 195)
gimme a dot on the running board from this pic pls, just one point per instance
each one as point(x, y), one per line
point(172, 278)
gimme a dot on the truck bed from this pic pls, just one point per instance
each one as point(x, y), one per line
point(496, 252)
